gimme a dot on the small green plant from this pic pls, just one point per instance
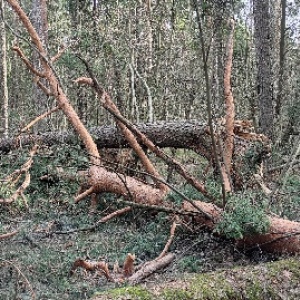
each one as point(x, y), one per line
point(6, 190)
point(244, 215)
point(190, 263)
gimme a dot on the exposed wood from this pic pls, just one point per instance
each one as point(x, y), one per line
point(99, 179)
point(8, 235)
point(128, 268)
point(150, 268)
point(170, 240)
point(229, 114)
point(283, 235)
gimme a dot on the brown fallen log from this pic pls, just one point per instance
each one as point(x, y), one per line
point(283, 235)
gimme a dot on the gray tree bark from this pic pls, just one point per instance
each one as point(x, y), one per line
point(3, 83)
point(40, 23)
point(262, 36)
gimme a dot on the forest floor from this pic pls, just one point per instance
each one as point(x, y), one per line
point(35, 263)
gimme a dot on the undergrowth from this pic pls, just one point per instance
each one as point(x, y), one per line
point(44, 251)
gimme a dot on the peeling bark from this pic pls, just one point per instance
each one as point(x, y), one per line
point(229, 114)
point(283, 235)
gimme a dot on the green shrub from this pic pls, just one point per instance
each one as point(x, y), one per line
point(243, 215)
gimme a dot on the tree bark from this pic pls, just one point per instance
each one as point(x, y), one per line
point(3, 63)
point(187, 135)
point(262, 35)
point(282, 236)
point(229, 113)
point(39, 19)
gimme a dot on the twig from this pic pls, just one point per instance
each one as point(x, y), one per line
point(24, 170)
point(286, 172)
point(84, 194)
point(8, 235)
point(276, 168)
point(27, 63)
point(44, 115)
point(59, 53)
point(113, 215)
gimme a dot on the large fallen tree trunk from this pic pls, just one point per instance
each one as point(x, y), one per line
point(175, 134)
point(182, 134)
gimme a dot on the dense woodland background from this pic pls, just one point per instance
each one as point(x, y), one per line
point(161, 62)
point(147, 55)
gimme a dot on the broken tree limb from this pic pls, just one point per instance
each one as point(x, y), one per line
point(170, 240)
point(37, 119)
point(129, 136)
point(12, 179)
point(150, 267)
point(8, 235)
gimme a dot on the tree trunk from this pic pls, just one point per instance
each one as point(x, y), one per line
point(40, 23)
point(262, 35)
point(281, 58)
point(282, 236)
point(4, 88)
point(178, 135)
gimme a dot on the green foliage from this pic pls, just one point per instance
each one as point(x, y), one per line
point(288, 201)
point(190, 263)
point(187, 190)
point(6, 190)
point(244, 215)
point(150, 239)
point(255, 154)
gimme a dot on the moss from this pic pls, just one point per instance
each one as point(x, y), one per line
point(292, 265)
point(264, 281)
point(212, 286)
point(127, 292)
point(254, 291)
point(177, 294)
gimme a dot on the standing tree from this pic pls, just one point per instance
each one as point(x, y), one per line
point(262, 36)
point(3, 63)
point(40, 23)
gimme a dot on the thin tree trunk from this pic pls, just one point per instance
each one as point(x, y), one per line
point(40, 23)
point(281, 58)
point(229, 111)
point(4, 87)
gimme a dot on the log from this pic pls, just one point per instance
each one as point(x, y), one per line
point(283, 235)
point(181, 134)
point(175, 134)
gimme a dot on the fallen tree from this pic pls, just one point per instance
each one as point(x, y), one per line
point(184, 134)
point(282, 235)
